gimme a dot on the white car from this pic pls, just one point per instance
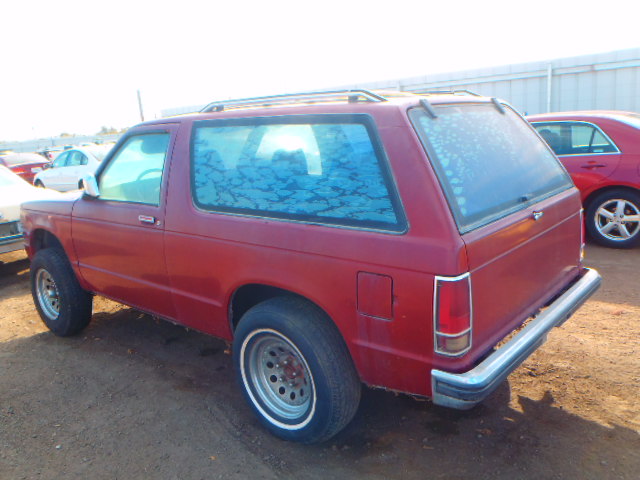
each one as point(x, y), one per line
point(13, 192)
point(70, 166)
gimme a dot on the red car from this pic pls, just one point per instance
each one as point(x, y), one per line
point(334, 238)
point(26, 165)
point(601, 151)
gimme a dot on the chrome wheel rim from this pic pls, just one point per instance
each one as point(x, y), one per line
point(278, 379)
point(48, 294)
point(618, 219)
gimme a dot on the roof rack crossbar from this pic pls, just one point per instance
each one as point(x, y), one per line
point(304, 97)
point(447, 92)
point(428, 108)
point(498, 105)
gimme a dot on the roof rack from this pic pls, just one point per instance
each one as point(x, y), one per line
point(351, 96)
point(447, 92)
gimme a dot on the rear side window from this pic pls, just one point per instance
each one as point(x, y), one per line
point(490, 164)
point(575, 138)
point(321, 169)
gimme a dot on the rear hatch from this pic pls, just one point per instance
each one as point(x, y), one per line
point(515, 207)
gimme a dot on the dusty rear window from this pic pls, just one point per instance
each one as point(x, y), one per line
point(489, 163)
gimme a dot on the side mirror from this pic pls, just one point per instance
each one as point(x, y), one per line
point(90, 186)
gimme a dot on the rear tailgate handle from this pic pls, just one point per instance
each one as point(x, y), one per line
point(147, 219)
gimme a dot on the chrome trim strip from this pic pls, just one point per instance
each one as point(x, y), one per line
point(436, 280)
point(464, 390)
point(10, 238)
point(271, 100)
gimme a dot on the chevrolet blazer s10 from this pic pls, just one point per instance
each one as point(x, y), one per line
point(335, 239)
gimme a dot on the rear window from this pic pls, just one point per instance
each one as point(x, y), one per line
point(321, 169)
point(490, 164)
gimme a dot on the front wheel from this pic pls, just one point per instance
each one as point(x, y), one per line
point(295, 370)
point(39, 184)
point(63, 305)
point(613, 218)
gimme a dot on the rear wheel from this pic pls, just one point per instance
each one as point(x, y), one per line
point(613, 218)
point(295, 370)
point(63, 305)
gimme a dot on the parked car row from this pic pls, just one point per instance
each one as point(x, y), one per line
point(19, 172)
point(66, 171)
point(601, 152)
point(14, 191)
point(26, 165)
point(59, 168)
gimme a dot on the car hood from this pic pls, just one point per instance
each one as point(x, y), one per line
point(12, 197)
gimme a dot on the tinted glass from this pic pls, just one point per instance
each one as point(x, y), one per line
point(61, 160)
point(574, 138)
point(601, 144)
point(76, 158)
point(320, 172)
point(134, 173)
point(489, 163)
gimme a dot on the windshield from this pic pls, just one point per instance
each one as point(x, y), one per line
point(490, 164)
point(9, 179)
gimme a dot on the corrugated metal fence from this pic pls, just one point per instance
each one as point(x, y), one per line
point(608, 81)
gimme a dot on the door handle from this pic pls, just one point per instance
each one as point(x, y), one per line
point(147, 219)
point(593, 165)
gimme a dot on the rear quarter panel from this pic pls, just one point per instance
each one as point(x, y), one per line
point(211, 255)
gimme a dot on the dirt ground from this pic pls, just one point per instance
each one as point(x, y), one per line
point(134, 398)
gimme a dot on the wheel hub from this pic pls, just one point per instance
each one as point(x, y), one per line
point(280, 375)
point(48, 295)
point(618, 219)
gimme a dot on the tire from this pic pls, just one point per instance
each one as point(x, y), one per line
point(64, 307)
point(39, 184)
point(295, 370)
point(613, 218)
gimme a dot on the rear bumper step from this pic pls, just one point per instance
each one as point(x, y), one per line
point(465, 390)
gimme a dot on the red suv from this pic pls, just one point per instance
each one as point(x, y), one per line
point(601, 151)
point(335, 238)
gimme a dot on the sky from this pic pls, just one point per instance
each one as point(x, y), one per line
point(75, 66)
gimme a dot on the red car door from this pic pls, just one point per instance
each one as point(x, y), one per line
point(119, 235)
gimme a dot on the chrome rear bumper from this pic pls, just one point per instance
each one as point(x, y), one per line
point(465, 390)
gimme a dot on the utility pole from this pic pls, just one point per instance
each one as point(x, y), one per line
point(140, 106)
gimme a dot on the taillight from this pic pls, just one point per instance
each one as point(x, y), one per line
point(452, 315)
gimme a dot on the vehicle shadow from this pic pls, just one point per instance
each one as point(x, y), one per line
point(14, 272)
point(135, 397)
point(618, 267)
